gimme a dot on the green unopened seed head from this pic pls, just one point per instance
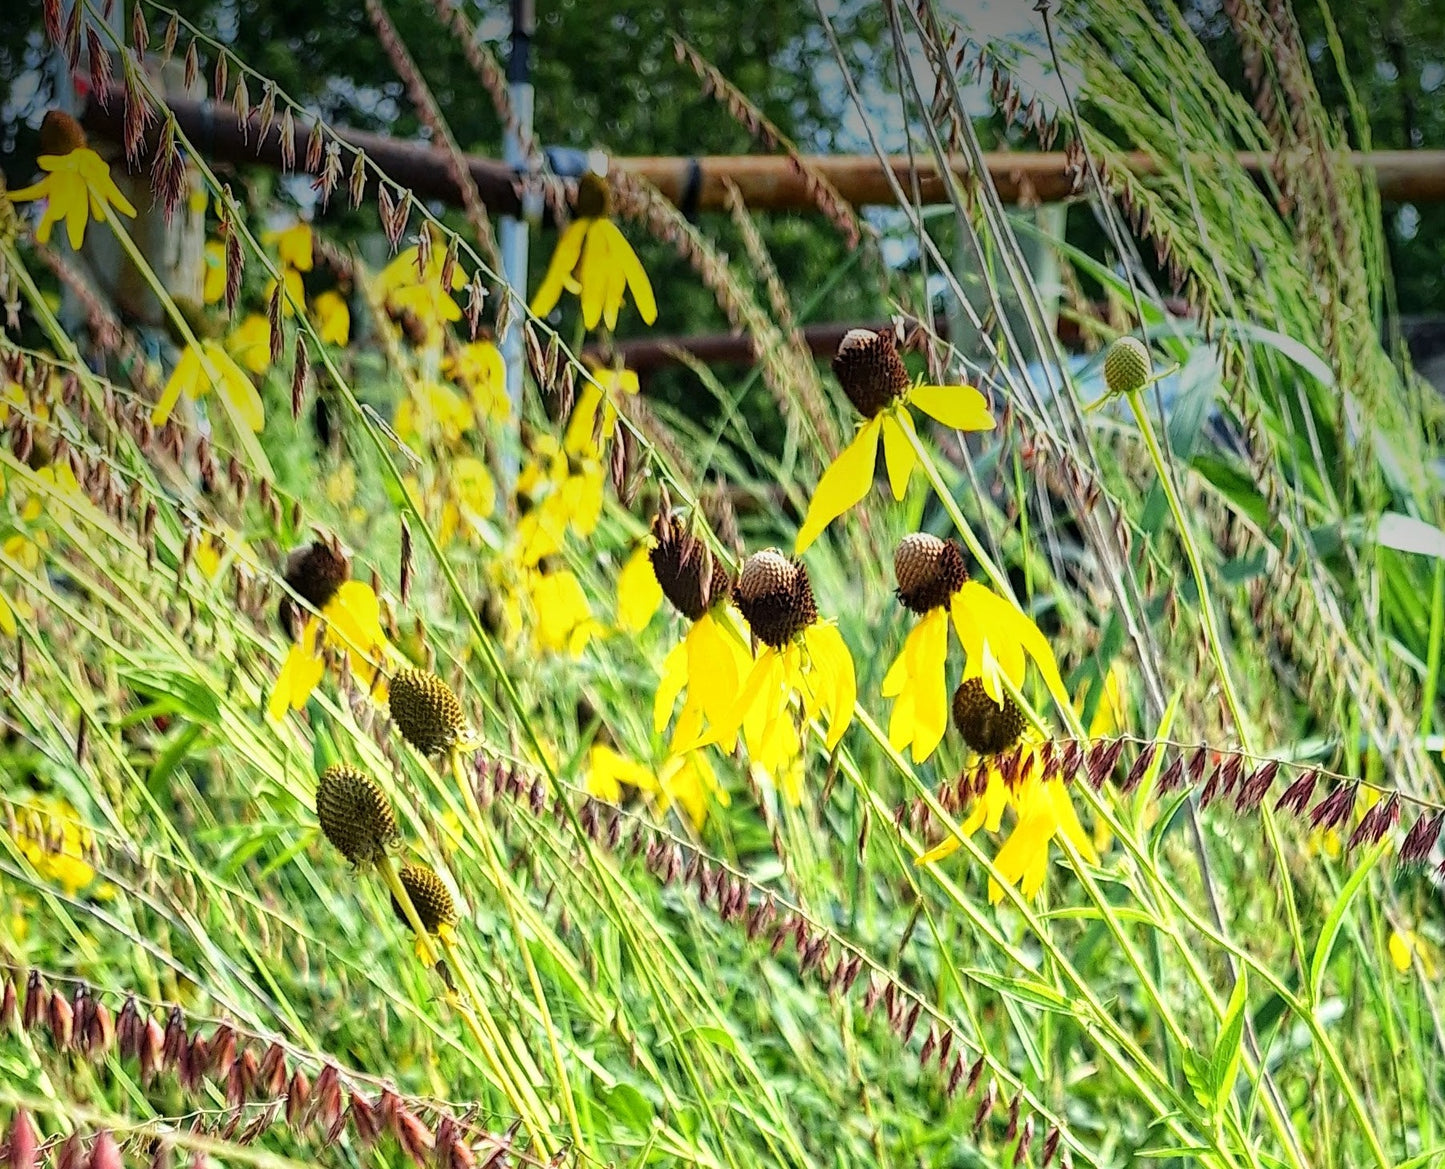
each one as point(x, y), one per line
point(1126, 366)
point(869, 369)
point(355, 814)
point(775, 596)
point(429, 897)
point(986, 726)
point(426, 711)
point(929, 571)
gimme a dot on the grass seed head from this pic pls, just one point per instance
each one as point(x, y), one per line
point(355, 814)
point(426, 711)
point(1126, 366)
point(775, 596)
point(929, 571)
point(429, 897)
point(869, 369)
point(986, 726)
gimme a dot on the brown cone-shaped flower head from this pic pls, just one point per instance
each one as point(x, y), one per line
point(313, 572)
point(429, 897)
point(594, 197)
point(1126, 366)
point(870, 370)
point(929, 571)
point(355, 814)
point(775, 596)
point(60, 133)
point(986, 726)
point(426, 711)
point(690, 576)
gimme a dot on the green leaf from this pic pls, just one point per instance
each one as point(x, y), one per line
point(1028, 989)
point(1224, 1067)
point(1336, 919)
point(1198, 1075)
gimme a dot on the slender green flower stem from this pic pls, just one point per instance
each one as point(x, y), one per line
point(1246, 738)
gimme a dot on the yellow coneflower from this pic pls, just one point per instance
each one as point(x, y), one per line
point(333, 317)
point(405, 290)
point(352, 618)
point(77, 183)
point(480, 369)
point(803, 661)
point(872, 374)
point(1041, 804)
point(354, 814)
point(711, 660)
point(594, 260)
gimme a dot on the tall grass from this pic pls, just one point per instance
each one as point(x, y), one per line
point(1247, 553)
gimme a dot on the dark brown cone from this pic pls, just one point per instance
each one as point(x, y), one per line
point(679, 561)
point(355, 814)
point(60, 134)
point(594, 197)
point(929, 571)
point(429, 897)
point(313, 572)
point(986, 726)
point(426, 711)
point(775, 596)
point(869, 369)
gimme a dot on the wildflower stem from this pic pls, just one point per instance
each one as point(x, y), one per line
point(505, 891)
point(1242, 728)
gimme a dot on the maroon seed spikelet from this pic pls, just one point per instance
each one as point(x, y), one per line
point(426, 711)
point(986, 726)
point(929, 571)
point(869, 369)
point(775, 596)
point(690, 576)
point(355, 814)
point(429, 897)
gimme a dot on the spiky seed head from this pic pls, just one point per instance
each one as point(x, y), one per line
point(869, 369)
point(929, 571)
point(775, 596)
point(594, 197)
point(690, 576)
point(313, 572)
point(426, 711)
point(1126, 366)
point(355, 814)
point(60, 133)
point(986, 726)
point(429, 897)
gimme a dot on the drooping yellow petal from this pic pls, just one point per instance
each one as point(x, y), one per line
point(918, 679)
point(898, 452)
point(300, 675)
point(186, 378)
point(637, 282)
point(674, 678)
point(564, 260)
point(593, 273)
point(638, 594)
point(1066, 820)
point(1024, 858)
point(832, 667)
point(987, 624)
point(843, 484)
point(236, 387)
point(961, 407)
point(943, 849)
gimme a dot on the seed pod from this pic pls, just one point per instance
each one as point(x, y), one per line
point(775, 596)
point(355, 814)
point(429, 897)
point(929, 571)
point(986, 726)
point(869, 369)
point(687, 572)
point(426, 711)
point(1126, 366)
